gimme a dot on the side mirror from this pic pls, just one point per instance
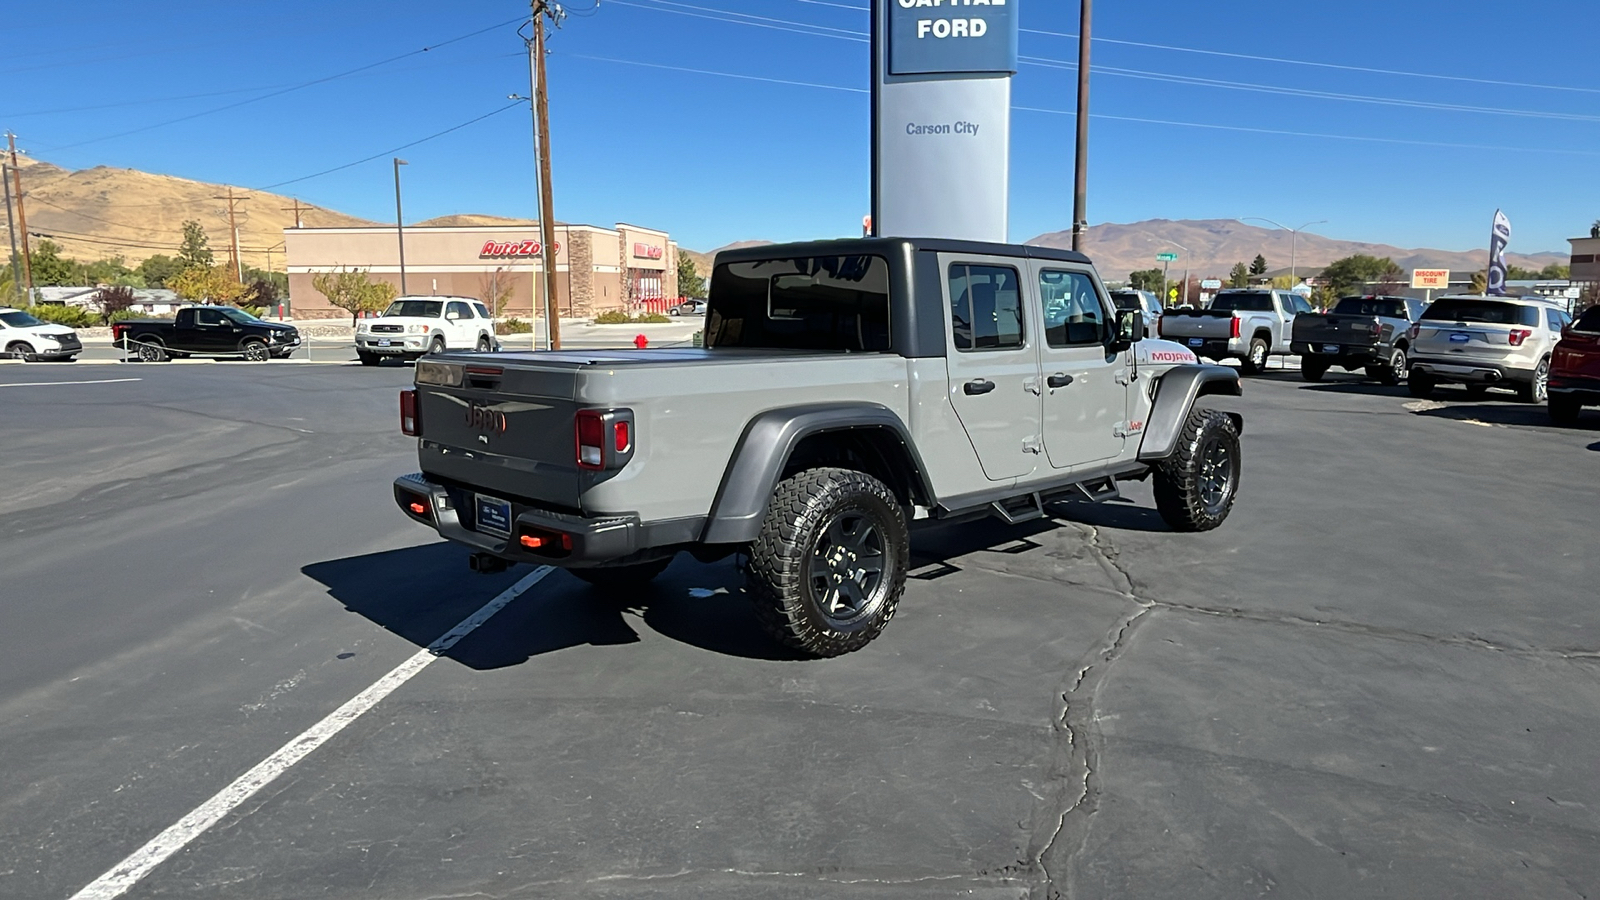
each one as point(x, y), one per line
point(1129, 329)
point(450, 317)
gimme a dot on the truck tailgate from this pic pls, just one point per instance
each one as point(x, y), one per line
point(1333, 328)
point(1197, 323)
point(509, 425)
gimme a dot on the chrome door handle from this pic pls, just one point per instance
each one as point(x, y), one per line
point(1059, 380)
point(978, 386)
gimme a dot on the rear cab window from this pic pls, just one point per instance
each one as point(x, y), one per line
point(1371, 306)
point(1244, 301)
point(1486, 312)
point(813, 303)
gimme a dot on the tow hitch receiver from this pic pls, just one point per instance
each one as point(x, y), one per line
point(487, 564)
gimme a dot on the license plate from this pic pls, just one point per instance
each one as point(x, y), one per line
point(383, 342)
point(1330, 348)
point(1197, 342)
point(494, 516)
point(1459, 338)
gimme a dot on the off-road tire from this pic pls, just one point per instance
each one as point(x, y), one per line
point(618, 578)
point(256, 351)
point(1185, 494)
point(1564, 410)
point(1251, 365)
point(1421, 385)
point(783, 571)
point(1537, 390)
point(1312, 370)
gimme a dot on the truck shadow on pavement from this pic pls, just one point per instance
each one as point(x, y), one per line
point(1365, 388)
point(419, 593)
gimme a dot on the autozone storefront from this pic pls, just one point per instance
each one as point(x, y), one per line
point(597, 269)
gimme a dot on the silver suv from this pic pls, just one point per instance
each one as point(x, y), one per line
point(1485, 342)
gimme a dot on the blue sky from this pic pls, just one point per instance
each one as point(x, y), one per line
point(713, 158)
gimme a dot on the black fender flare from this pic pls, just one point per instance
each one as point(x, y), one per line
point(763, 452)
point(1176, 391)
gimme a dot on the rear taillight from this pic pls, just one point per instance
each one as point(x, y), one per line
point(1518, 335)
point(1415, 330)
point(1234, 331)
point(604, 438)
point(410, 416)
point(1377, 328)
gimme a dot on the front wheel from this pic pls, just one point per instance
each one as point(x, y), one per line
point(1537, 390)
point(21, 351)
point(256, 351)
point(829, 565)
point(437, 346)
point(1255, 361)
point(1195, 488)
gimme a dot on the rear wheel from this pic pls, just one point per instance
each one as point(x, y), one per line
point(1537, 390)
point(1195, 488)
point(1255, 360)
point(1564, 410)
point(1393, 373)
point(1312, 369)
point(829, 565)
point(619, 578)
point(1421, 384)
point(150, 350)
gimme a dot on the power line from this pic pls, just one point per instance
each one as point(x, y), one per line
point(634, 62)
point(803, 27)
point(278, 93)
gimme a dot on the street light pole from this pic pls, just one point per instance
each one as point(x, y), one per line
point(399, 224)
point(1293, 234)
point(1080, 190)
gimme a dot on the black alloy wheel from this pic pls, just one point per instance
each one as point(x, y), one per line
point(829, 566)
point(1195, 488)
point(151, 351)
point(256, 351)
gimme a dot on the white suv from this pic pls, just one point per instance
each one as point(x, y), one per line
point(24, 336)
point(414, 326)
point(1485, 342)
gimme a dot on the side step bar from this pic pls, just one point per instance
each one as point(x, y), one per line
point(1029, 507)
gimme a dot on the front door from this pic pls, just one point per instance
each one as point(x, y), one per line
point(213, 331)
point(1085, 386)
point(993, 364)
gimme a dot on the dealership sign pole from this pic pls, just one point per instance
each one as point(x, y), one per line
point(941, 117)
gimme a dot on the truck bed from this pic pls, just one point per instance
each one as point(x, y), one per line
point(1200, 323)
point(1336, 330)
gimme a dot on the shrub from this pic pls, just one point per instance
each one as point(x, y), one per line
point(621, 317)
point(513, 326)
point(124, 315)
point(61, 314)
point(113, 300)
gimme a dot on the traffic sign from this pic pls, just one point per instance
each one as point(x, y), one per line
point(1166, 257)
point(1211, 284)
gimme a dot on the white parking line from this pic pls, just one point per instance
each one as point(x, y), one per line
point(130, 871)
point(54, 383)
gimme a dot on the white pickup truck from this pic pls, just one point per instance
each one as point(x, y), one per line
point(1247, 325)
point(414, 326)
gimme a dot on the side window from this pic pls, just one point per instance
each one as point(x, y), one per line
point(1416, 307)
point(1073, 314)
point(986, 307)
point(459, 310)
point(1553, 319)
point(208, 317)
point(483, 311)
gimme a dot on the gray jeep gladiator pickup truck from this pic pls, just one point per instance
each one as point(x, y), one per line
point(845, 390)
point(1370, 333)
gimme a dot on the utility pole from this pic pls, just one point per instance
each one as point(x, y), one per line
point(541, 115)
point(233, 231)
point(11, 227)
point(1080, 192)
point(22, 219)
point(399, 225)
point(296, 210)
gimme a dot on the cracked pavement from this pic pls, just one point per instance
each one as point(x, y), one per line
point(1381, 677)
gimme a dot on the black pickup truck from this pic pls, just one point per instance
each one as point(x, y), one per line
point(206, 331)
point(1368, 333)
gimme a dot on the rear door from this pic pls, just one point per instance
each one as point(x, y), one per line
point(1085, 387)
point(993, 362)
point(461, 327)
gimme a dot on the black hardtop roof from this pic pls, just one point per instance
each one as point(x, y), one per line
point(892, 246)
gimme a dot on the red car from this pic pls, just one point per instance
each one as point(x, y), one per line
point(1575, 369)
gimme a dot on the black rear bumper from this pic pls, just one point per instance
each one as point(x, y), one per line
point(565, 540)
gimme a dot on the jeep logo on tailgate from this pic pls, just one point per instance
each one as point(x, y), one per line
point(481, 417)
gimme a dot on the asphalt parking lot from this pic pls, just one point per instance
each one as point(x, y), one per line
point(1381, 677)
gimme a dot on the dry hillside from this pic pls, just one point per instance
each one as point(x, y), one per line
point(103, 212)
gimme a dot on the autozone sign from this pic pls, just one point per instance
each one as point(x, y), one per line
point(648, 251)
point(512, 249)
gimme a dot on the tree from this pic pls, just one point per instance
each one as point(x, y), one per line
point(1239, 276)
point(495, 288)
point(1145, 280)
point(206, 284)
point(112, 300)
point(49, 268)
point(353, 290)
point(159, 269)
point(1353, 273)
point(1480, 281)
point(1594, 230)
point(196, 247)
point(260, 292)
point(1555, 272)
point(690, 284)
point(1258, 266)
